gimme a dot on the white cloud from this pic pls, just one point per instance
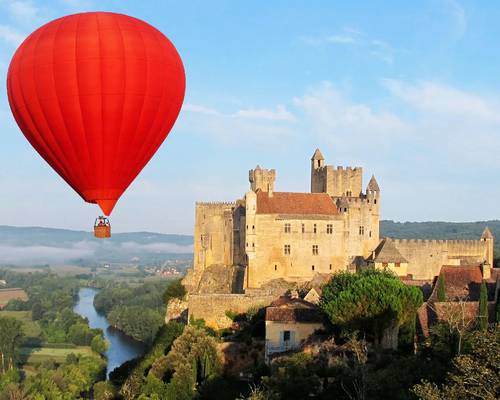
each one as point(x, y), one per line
point(255, 124)
point(11, 36)
point(341, 39)
point(356, 39)
point(30, 255)
point(157, 247)
point(458, 16)
point(77, 4)
point(23, 10)
point(280, 114)
point(339, 120)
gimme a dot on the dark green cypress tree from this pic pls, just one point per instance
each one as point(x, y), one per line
point(441, 289)
point(483, 307)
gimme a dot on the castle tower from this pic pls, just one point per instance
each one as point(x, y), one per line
point(263, 179)
point(488, 237)
point(318, 182)
point(373, 199)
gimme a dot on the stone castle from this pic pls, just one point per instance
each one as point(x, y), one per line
point(242, 247)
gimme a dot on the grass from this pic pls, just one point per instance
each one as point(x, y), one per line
point(30, 327)
point(36, 355)
point(9, 294)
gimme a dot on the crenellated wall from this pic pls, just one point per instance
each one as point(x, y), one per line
point(426, 257)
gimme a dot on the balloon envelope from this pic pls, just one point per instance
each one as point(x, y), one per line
point(96, 94)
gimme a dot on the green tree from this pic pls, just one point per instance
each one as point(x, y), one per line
point(441, 289)
point(11, 334)
point(99, 344)
point(483, 307)
point(474, 375)
point(104, 390)
point(174, 290)
point(374, 302)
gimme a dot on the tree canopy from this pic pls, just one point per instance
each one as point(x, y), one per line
point(371, 301)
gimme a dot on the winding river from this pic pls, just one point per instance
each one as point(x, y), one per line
point(121, 347)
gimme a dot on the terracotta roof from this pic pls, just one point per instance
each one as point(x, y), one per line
point(487, 234)
point(317, 155)
point(286, 309)
point(373, 185)
point(464, 282)
point(386, 252)
point(295, 203)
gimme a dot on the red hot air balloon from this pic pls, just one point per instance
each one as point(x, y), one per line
point(96, 94)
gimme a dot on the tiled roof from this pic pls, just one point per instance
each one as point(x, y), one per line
point(295, 203)
point(386, 252)
point(286, 309)
point(373, 185)
point(317, 155)
point(464, 282)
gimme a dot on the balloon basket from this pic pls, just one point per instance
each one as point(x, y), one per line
point(102, 232)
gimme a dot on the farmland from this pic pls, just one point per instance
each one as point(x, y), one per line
point(10, 294)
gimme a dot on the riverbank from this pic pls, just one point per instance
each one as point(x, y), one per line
point(121, 347)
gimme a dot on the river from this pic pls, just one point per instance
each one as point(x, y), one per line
point(121, 347)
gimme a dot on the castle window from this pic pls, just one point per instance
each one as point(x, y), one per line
point(303, 228)
point(361, 230)
point(330, 267)
point(253, 245)
point(375, 201)
point(312, 267)
point(397, 265)
point(247, 227)
point(314, 228)
point(329, 229)
point(275, 267)
point(315, 250)
point(345, 209)
point(287, 249)
point(288, 228)
point(253, 228)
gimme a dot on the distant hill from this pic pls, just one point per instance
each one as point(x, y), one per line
point(438, 230)
point(35, 246)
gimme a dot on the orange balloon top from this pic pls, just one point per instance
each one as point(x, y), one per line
point(96, 94)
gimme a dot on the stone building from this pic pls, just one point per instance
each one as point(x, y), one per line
point(246, 252)
point(286, 235)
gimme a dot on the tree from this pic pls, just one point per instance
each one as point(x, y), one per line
point(11, 334)
point(193, 360)
point(104, 390)
point(441, 289)
point(99, 344)
point(483, 306)
point(174, 290)
point(474, 375)
point(374, 302)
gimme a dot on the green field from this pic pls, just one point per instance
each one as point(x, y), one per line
point(30, 327)
point(36, 355)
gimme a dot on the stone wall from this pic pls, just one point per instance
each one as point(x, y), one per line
point(212, 307)
point(426, 257)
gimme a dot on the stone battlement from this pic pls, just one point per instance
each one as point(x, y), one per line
point(464, 242)
point(216, 203)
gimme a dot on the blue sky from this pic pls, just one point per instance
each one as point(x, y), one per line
point(408, 90)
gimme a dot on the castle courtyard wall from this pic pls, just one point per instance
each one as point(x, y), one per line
point(426, 257)
point(212, 307)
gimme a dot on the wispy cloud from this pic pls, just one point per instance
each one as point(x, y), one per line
point(11, 36)
point(250, 123)
point(22, 10)
point(356, 38)
point(458, 16)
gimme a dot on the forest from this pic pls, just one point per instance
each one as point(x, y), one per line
point(47, 350)
point(138, 311)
